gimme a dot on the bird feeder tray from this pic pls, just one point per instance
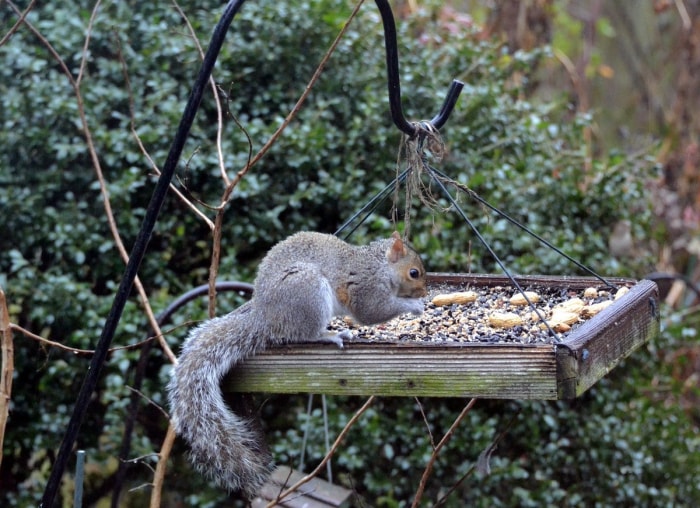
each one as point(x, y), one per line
point(447, 352)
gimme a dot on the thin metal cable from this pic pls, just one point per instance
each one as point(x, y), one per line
point(371, 206)
point(510, 219)
point(500, 263)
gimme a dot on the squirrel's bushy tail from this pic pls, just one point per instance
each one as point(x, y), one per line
point(224, 446)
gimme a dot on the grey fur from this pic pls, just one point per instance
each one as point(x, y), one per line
point(301, 284)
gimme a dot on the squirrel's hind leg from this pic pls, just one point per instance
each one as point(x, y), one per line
point(298, 305)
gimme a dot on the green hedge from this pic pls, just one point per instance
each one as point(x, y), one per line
point(59, 266)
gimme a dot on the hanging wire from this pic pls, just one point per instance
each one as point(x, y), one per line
point(500, 263)
point(524, 228)
point(371, 206)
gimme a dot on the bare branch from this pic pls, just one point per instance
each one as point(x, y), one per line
point(17, 24)
point(134, 133)
point(302, 99)
point(150, 401)
point(7, 366)
point(433, 456)
point(485, 455)
point(427, 425)
point(79, 351)
point(217, 101)
point(83, 60)
point(159, 476)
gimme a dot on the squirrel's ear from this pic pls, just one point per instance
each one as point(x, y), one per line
point(397, 249)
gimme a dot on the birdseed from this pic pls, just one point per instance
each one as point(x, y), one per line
point(475, 322)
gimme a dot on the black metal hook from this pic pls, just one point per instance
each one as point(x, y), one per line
point(392, 69)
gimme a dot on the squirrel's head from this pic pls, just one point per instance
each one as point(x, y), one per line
point(409, 267)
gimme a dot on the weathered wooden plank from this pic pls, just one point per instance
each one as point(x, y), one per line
point(504, 371)
point(604, 341)
point(469, 370)
point(316, 493)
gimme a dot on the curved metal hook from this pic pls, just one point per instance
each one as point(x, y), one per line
point(392, 69)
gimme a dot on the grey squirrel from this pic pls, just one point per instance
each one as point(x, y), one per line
point(301, 284)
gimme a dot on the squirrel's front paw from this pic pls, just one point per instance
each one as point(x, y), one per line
point(416, 306)
point(336, 338)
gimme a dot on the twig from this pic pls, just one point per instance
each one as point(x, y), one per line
point(433, 456)
point(485, 455)
point(17, 24)
point(159, 475)
point(328, 456)
point(302, 98)
point(7, 366)
point(149, 400)
point(134, 133)
point(79, 351)
point(48, 342)
point(427, 425)
point(86, 44)
point(217, 101)
point(683, 13)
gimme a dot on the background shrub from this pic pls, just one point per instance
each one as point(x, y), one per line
point(59, 265)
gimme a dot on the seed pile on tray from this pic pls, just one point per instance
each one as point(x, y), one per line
point(491, 315)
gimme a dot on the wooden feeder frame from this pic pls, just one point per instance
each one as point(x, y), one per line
point(562, 370)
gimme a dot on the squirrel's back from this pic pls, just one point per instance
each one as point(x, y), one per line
point(371, 283)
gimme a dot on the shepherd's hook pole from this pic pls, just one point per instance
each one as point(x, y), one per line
point(394, 83)
point(137, 253)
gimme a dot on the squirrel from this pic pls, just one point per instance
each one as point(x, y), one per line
point(301, 284)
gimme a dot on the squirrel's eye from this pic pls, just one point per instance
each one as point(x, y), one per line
point(414, 273)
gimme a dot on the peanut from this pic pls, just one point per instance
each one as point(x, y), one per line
point(564, 316)
point(505, 320)
point(451, 298)
point(573, 305)
point(595, 308)
point(519, 298)
point(621, 292)
point(590, 293)
point(561, 327)
point(561, 320)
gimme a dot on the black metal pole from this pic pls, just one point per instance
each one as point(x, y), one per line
point(137, 254)
point(394, 82)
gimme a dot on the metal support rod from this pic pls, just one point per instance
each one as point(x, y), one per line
point(392, 69)
point(452, 95)
point(79, 479)
point(137, 254)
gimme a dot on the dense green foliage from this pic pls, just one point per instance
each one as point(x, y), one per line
point(59, 266)
point(611, 447)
